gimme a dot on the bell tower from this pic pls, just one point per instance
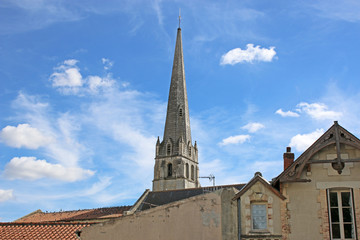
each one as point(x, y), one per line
point(176, 158)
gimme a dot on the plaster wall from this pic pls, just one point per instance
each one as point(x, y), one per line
point(201, 217)
point(307, 202)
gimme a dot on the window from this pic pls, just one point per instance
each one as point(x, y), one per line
point(169, 170)
point(259, 216)
point(187, 170)
point(190, 151)
point(180, 112)
point(168, 149)
point(341, 214)
point(192, 172)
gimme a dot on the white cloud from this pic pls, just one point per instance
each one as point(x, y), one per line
point(318, 111)
point(253, 127)
point(95, 83)
point(287, 113)
point(62, 127)
point(71, 62)
point(128, 127)
point(107, 63)
point(156, 6)
point(97, 187)
point(346, 10)
point(250, 54)
point(29, 168)
point(67, 77)
point(235, 139)
point(24, 136)
point(302, 141)
point(6, 195)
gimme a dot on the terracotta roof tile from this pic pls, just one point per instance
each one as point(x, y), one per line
point(79, 215)
point(49, 230)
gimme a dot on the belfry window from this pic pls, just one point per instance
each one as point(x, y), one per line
point(170, 170)
point(168, 149)
point(192, 172)
point(341, 214)
point(180, 112)
point(187, 170)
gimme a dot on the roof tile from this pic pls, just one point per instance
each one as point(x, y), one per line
point(46, 230)
point(79, 215)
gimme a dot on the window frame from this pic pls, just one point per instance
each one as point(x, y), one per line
point(340, 208)
point(266, 216)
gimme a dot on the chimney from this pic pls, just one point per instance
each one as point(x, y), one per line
point(288, 158)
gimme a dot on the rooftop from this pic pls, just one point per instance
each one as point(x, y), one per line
point(46, 230)
point(158, 198)
point(71, 216)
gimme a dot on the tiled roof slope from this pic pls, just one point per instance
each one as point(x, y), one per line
point(79, 215)
point(39, 231)
point(154, 199)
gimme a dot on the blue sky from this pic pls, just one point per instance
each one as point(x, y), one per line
point(84, 88)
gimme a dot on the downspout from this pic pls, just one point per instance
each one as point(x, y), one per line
point(239, 218)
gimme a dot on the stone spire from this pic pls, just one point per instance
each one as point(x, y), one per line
point(176, 159)
point(177, 118)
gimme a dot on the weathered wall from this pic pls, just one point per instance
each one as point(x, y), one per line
point(259, 193)
point(202, 217)
point(307, 208)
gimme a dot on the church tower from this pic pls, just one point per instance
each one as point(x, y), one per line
point(176, 160)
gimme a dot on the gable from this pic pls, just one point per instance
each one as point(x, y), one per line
point(257, 183)
point(331, 148)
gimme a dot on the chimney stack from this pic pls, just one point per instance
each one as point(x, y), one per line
point(288, 158)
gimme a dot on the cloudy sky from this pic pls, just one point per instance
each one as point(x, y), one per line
point(84, 88)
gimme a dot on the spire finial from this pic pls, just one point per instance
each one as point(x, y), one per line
point(179, 16)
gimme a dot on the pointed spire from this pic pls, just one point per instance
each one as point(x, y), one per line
point(158, 141)
point(177, 118)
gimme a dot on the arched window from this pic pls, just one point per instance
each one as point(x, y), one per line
point(187, 170)
point(168, 149)
point(190, 151)
point(169, 170)
point(192, 172)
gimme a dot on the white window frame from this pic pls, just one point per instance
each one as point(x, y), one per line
point(340, 213)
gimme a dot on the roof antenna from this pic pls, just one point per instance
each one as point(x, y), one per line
point(179, 16)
